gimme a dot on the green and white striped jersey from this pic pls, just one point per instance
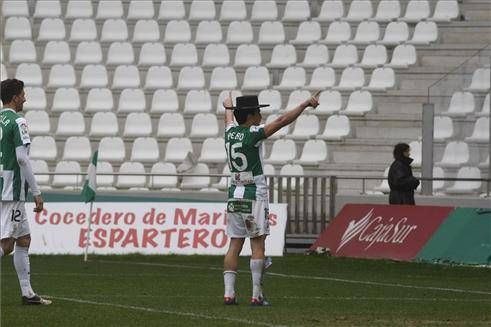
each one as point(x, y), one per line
point(244, 156)
point(14, 133)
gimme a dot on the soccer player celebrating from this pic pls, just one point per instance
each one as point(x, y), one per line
point(16, 177)
point(247, 207)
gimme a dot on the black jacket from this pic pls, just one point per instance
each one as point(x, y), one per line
point(402, 182)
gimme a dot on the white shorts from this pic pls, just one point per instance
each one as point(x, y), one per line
point(247, 218)
point(13, 220)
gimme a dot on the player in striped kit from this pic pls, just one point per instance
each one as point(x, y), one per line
point(247, 206)
point(16, 178)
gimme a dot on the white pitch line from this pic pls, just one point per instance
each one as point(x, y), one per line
point(170, 312)
point(332, 279)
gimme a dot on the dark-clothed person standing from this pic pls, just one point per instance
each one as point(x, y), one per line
point(401, 180)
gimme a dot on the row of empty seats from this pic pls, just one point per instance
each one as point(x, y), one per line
point(147, 149)
point(196, 101)
point(294, 10)
point(193, 77)
point(444, 130)
point(463, 104)
point(186, 54)
point(179, 31)
point(337, 127)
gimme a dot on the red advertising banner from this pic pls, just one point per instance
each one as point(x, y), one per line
point(381, 231)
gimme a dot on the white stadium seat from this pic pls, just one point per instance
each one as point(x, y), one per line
point(177, 149)
point(62, 75)
point(329, 102)
point(126, 76)
point(224, 181)
point(104, 124)
point(308, 33)
point(425, 33)
point(83, 30)
point(170, 10)
point(271, 33)
point(177, 31)
point(284, 55)
point(109, 9)
point(22, 51)
point(202, 10)
point(282, 132)
point(296, 97)
point(184, 54)
point(480, 134)
point(485, 163)
point(445, 11)
point(384, 185)
point(282, 151)
point(291, 170)
point(296, 11)
point(485, 107)
point(197, 101)
point(387, 11)
point(359, 10)
point(337, 32)
point(416, 152)
point(35, 99)
point(395, 33)
point(351, 79)
point(112, 149)
point(99, 100)
point(480, 80)
point(146, 31)
point(374, 55)
point(131, 181)
point(337, 128)
point(331, 10)
point(145, 149)
point(120, 53)
point(51, 29)
point(212, 151)
point(191, 78)
point(38, 122)
point(239, 32)
point(38, 168)
point(367, 32)
point(197, 182)
point(223, 78)
point(137, 124)
point(313, 152)
point(416, 11)
point(456, 154)
point(461, 105)
point(171, 125)
point(248, 55)
point(442, 128)
point(30, 74)
point(131, 100)
point(466, 187)
point(403, 56)
point(264, 10)
point(159, 77)
point(104, 181)
point(345, 55)
point(306, 126)
point(94, 76)
point(233, 10)
point(293, 78)
point(315, 55)
point(163, 181)
point(216, 55)
point(208, 32)
point(43, 147)
point(204, 125)
point(164, 101)
point(271, 97)
point(222, 96)
point(74, 178)
point(256, 78)
point(88, 53)
point(17, 28)
point(51, 8)
point(152, 54)
point(141, 9)
point(71, 124)
point(77, 148)
point(383, 78)
point(438, 173)
point(359, 103)
point(56, 52)
point(322, 78)
point(114, 30)
point(79, 9)
point(15, 8)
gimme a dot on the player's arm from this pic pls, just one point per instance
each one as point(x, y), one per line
point(290, 116)
point(229, 112)
point(26, 170)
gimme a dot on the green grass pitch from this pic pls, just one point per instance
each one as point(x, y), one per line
point(304, 291)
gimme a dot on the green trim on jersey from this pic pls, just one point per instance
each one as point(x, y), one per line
point(14, 133)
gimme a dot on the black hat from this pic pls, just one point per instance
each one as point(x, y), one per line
point(248, 102)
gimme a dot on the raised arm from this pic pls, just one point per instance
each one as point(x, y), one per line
point(290, 116)
point(229, 112)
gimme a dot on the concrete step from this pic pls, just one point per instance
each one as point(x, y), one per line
point(391, 132)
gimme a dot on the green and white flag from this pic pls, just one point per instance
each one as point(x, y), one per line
point(90, 186)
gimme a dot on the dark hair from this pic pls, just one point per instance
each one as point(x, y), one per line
point(241, 114)
point(399, 149)
point(10, 88)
